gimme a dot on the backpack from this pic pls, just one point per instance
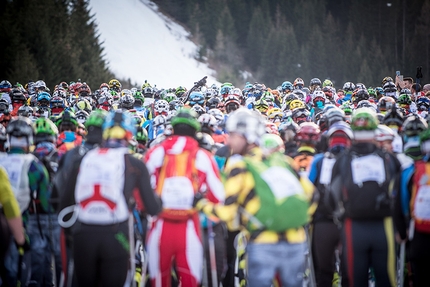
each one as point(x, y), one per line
point(420, 197)
point(17, 167)
point(283, 203)
point(177, 184)
point(366, 183)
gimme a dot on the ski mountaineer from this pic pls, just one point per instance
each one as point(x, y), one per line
point(325, 230)
point(275, 245)
point(94, 138)
point(412, 217)
point(100, 190)
point(10, 222)
point(29, 180)
point(179, 169)
point(364, 182)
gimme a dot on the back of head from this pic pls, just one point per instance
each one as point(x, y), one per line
point(20, 131)
point(119, 126)
point(185, 122)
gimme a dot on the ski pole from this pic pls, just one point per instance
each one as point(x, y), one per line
point(212, 253)
point(401, 265)
point(310, 262)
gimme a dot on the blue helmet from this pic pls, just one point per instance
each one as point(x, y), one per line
point(119, 125)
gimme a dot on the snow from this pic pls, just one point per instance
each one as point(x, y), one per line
point(141, 43)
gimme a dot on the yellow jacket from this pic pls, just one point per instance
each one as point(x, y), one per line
point(239, 187)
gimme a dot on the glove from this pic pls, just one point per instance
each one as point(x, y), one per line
point(199, 201)
point(25, 246)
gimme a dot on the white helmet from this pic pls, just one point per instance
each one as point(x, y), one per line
point(384, 133)
point(247, 123)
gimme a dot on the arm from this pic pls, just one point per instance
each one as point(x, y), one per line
point(151, 202)
point(39, 181)
point(11, 208)
point(208, 173)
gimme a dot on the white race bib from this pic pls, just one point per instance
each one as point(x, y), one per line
point(177, 193)
point(422, 203)
point(326, 170)
point(368, 168)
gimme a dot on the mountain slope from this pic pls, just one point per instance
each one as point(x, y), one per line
point(142, 44)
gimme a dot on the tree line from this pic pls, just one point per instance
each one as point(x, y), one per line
point(278, 40)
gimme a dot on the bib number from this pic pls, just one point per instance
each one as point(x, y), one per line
point(368, 168)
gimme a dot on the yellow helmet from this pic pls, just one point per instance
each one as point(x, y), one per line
point(297, 104)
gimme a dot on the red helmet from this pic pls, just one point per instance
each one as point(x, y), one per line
point(308, 132)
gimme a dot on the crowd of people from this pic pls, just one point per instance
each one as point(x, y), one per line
point(215, 185)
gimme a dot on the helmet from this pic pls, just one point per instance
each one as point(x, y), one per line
point(405, 91)
point(271, 143)
point(84, 90)
point(247, 123)
point(366, 104)
point(17, 95)
point(60, 92)
point(205, 141)
point(225, 88)
point(364, 119)
point(275, 114)
point(385, 103)
point(414, 125)
point(300, 115)
point(148, 92)
point(67, 119)
point(161, 107)
point(81, 116)
point(298, 83)
point(212, 103)
point(45, 130)
point(119, 125)
point(389, 87)
point(423, 104)
point(104, 87)
point(198, 109)
point(208, 121)
point(348, 87)
point(57, 102)
point(84, 105)
point(297, 104)
point(404, 99)
point(327, 83)
point(318, 96)
point(21, 127)
point(196, 98)
point(232, 103)
point(360, 86)
point(168, 97)
point(359, 95)
point(141, 134)
point(159, 120)
point(25, 111)
point(115, 85)
point(386, 79)
point(340, 127)
point(96, 119)
point(5, 86)
point(235, 92)
point(384, 133)
point(210, 93)
point(186, 116)
point(308, 133)
point(315, 82)
point(271, 128)
point(127, 101)
point(218, 115)
point(393, 117)
point(44, 97)
point(334, 115)
point(287, 86)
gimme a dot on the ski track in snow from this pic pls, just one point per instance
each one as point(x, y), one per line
point(141, 43)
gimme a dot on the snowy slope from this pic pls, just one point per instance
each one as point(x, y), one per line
point(142, 44)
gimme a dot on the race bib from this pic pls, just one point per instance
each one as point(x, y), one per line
point(326, 170)
point(368, 168)
point(282, 182)
point(422, 203)
point(177, 193)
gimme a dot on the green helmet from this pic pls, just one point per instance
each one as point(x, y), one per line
point(327, 83)
point(96, 118)
point(141, 134)
point(66, 117)
point(186, 116)
point(45, 126)
point(364, 119)
point(271, 143)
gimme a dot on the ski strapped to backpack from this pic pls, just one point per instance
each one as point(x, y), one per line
point(283, 202)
